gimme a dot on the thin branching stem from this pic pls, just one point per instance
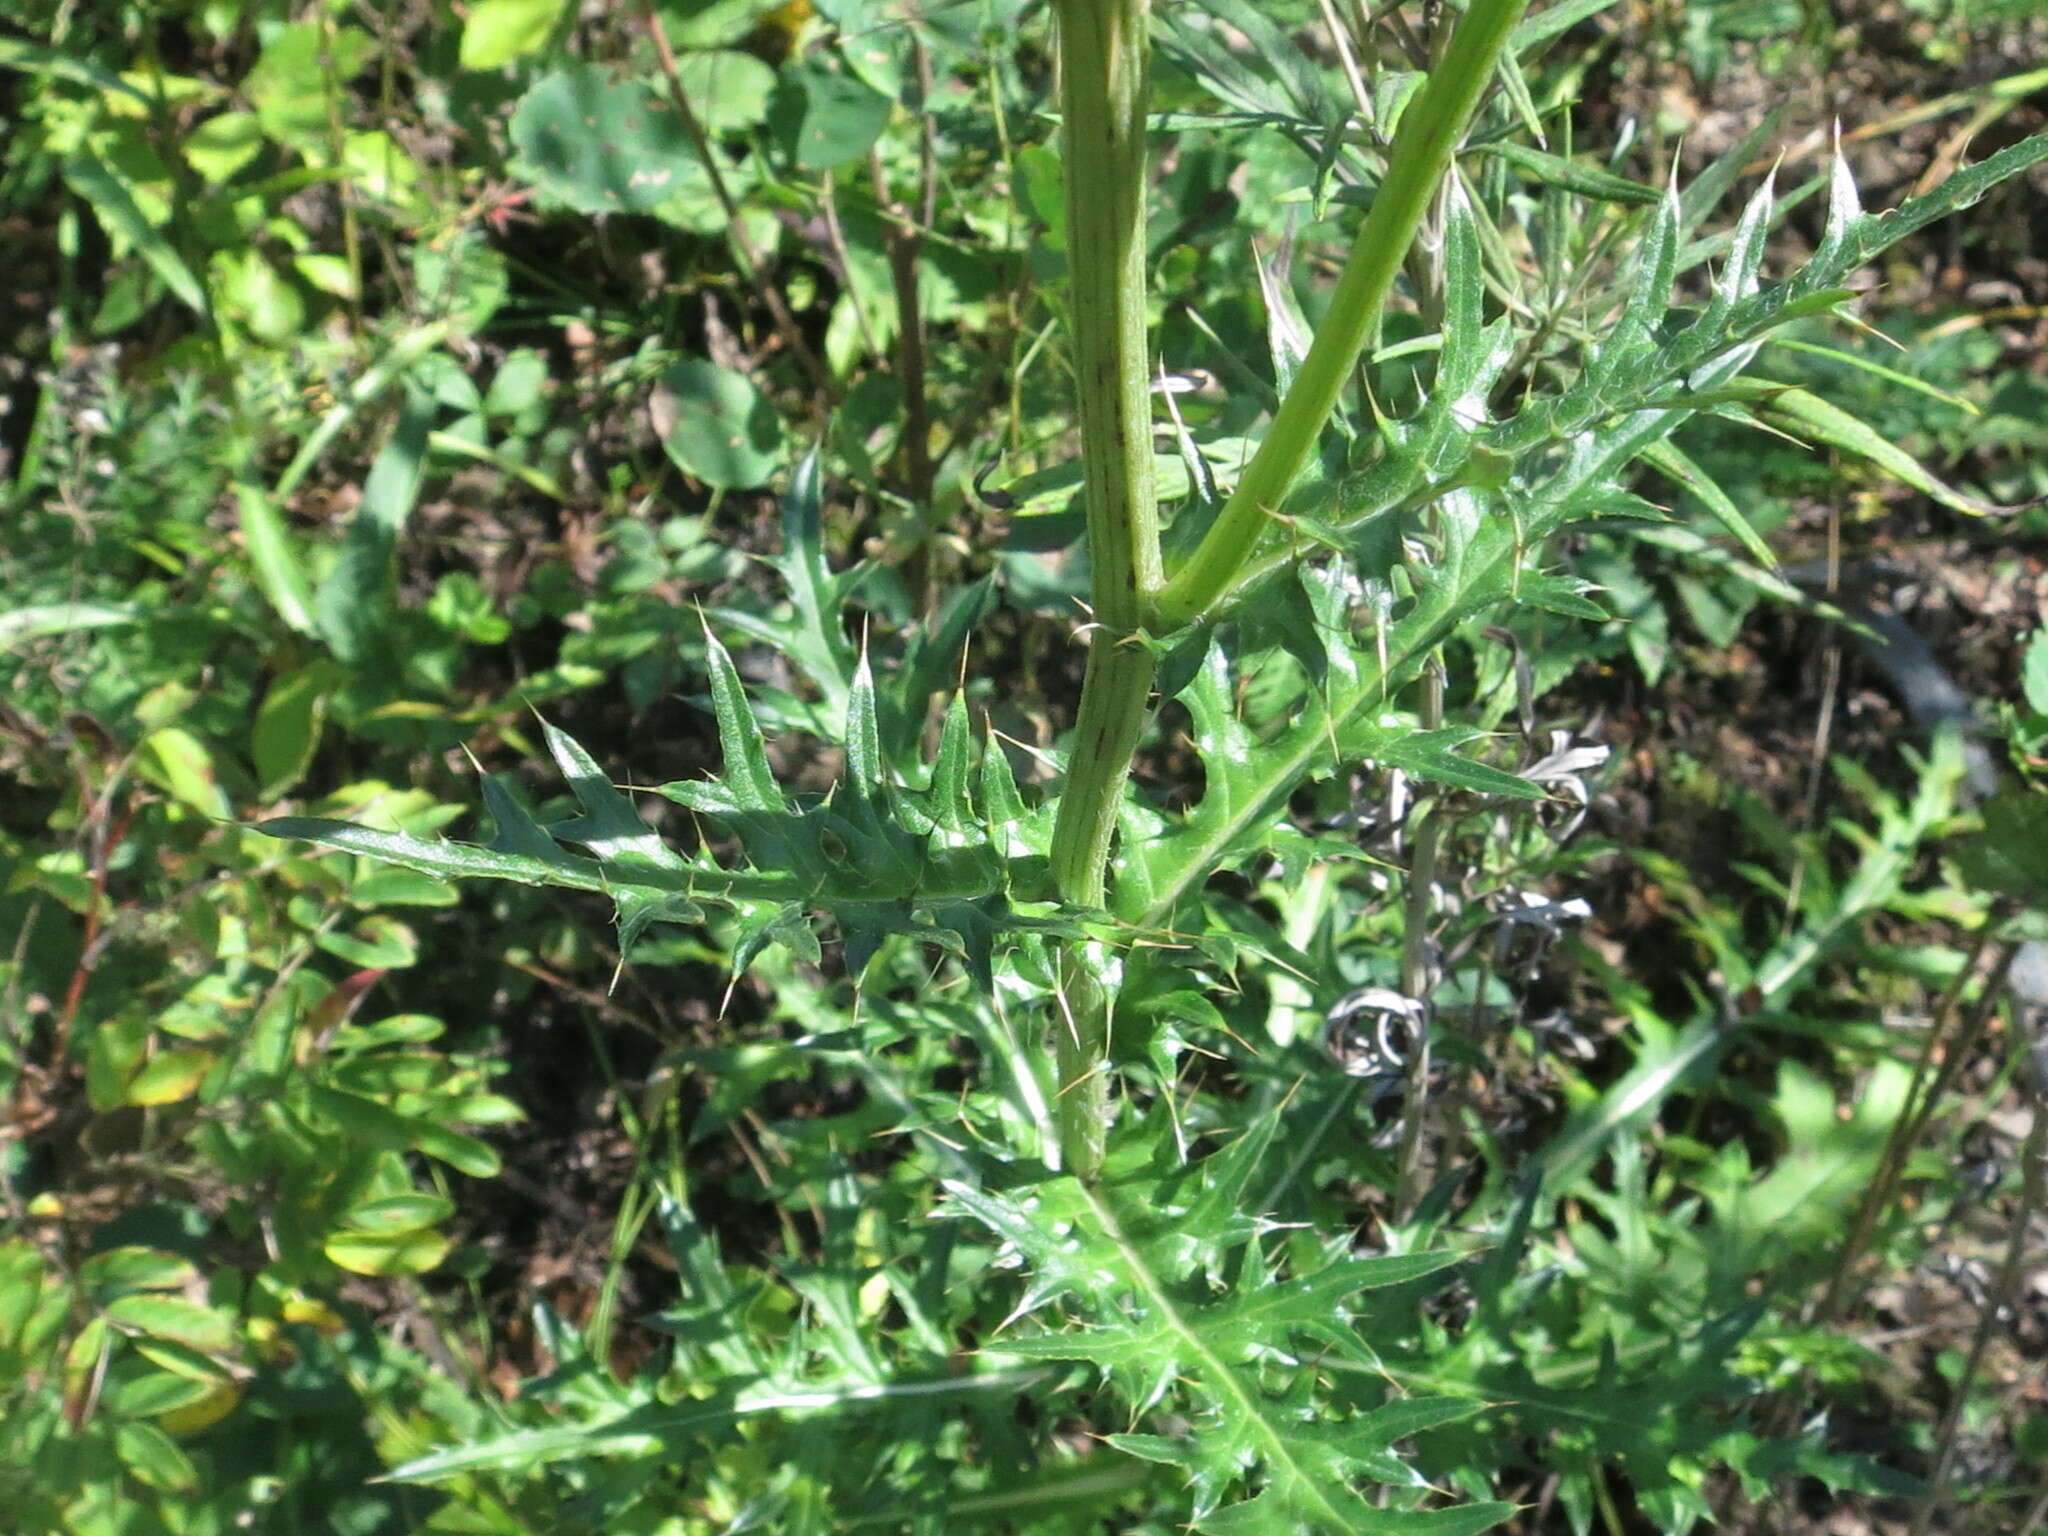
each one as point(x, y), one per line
point(743, 253)
point(1418, 969)
point(1998, 1303)
point(1921, 1096)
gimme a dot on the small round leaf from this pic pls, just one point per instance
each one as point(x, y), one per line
point(725, 432)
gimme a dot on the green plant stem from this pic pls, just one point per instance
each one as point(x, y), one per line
point(1421, 154)
point(1103, 94)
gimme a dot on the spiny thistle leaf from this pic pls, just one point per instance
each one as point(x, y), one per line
point(875, 859)
point(1569, 455)
point(811, 635)
point(1139, 1270)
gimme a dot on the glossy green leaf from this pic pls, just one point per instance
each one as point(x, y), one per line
point(171, 1317)
point(386, 1253)
point(286, 731)
point(169, 1077)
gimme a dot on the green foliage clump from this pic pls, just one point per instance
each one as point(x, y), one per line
point(1216, 1075)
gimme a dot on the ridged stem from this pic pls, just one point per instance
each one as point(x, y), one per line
point(1424, 144)
point(1103, 100)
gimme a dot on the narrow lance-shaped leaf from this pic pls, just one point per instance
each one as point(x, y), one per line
point(1845, 208)
point(745, 773)
point(1739, 276)
point(1667, 457)
point(1571, 175)
point(1464, 349)
point(865, 771)
point(459, 861)
point(115, 206)
point(609, 826)
point(1808, 415)
point(952, 806)
point(1616, 367)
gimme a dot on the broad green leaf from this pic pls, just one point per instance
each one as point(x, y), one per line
point(824, 117)
point(399, 1213)
point(176, 760)
point(287, 728)
point(499, 31)
point(254, 298)
point(355, 607)
point(223, 144)
point(2011, 854)
point(602, 145)
point(726, 433)
point(289, 85)
point(171, 1317)
point(401, 888)
point(727, 90)
point(131, 1268)
point(169, 1077)
point(2034, 673)
point(154, 1458)
point(386, 1253)
point(388, 1131)
point(464, 1153)
point(157, 1395)
point(273, 555)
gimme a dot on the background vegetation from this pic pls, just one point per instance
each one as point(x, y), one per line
point(400, 390)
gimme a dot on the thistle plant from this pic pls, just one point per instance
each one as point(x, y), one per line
point(1338, 571)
